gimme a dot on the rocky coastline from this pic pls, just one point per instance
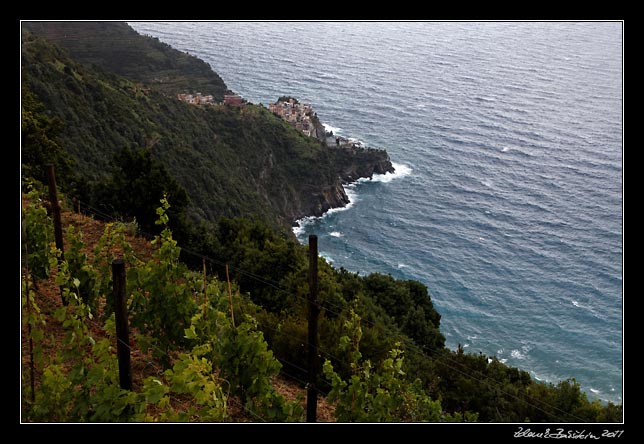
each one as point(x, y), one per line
point(352, 162)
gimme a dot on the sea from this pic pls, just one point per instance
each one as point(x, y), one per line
point(507, 141)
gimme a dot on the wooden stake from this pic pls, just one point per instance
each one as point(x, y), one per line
point(314, 310)
point(122, 329)
point(55, 207)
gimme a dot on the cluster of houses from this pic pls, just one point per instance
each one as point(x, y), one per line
point(299, 114)
point(200, 99)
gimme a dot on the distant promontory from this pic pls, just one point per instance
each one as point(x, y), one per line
point(113, 88)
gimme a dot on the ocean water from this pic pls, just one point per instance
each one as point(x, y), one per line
point(507, 201)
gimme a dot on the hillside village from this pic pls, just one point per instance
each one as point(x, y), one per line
point(299, 114)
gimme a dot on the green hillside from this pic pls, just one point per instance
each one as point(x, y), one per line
point(232, 161)
point(116, 47)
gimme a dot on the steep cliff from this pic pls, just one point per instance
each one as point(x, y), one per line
point(355, 162)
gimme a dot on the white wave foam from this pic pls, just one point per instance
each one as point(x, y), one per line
point(328, 258)
point(516, 354)
point(336, 234)
point(353, 198)
point(594, 390)
point(588, 308)
point(333, 129)
point(356, 141)
point(400, 170)
point(300, 227)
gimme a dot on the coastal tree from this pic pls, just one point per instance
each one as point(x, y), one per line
point(137, 183)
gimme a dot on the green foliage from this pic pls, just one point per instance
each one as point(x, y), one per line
point(193, 374)
point(245, 363)
point(83, 385)
point(409, 304)
point(80, 383)
point(209, 359)
point(162, 304)
point(34, 320)
point(499, 393)
point(38, 234)
point(40, 141)
point(116, 47)
point(81, 269)
point(136, 185)
point(53, 401)
point(376, 393)
point(112, 245)
point(262, 254)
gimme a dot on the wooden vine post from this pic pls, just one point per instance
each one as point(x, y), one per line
point(55, 208)
point(314, 311)
point(122, 329)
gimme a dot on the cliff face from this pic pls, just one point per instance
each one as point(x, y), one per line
point(320, 187)
point(349, 163)
point(354, 163)
point(321, 202)
point(294, 192)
